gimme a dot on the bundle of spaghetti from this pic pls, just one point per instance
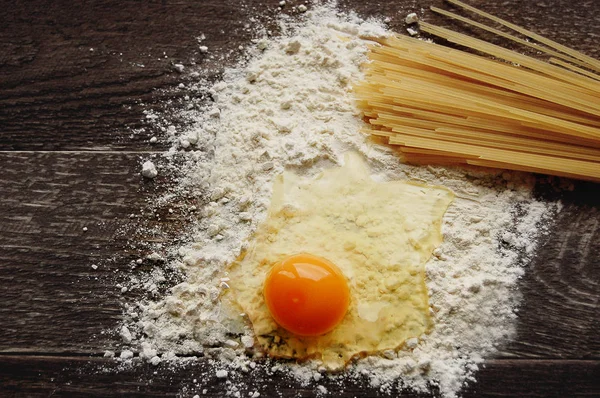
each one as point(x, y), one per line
point(501, 109)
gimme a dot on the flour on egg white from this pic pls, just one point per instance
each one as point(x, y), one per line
point(379, 234)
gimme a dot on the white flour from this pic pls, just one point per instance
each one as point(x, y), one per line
point(291, 107)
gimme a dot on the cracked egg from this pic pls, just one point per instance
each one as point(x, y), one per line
point(337, 268)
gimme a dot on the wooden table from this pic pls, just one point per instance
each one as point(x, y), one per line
point(75, 77)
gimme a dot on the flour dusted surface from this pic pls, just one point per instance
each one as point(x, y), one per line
point(291, 107)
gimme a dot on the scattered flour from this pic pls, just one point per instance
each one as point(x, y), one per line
point(411, 18)
point(149, 169)
point(291, 107)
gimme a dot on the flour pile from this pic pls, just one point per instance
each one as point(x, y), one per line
point(291, 107)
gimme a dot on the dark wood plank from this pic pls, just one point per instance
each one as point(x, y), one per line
point(56, 94)
point(53, 300)
point(569, 22)
point(98, 377)
point(560, 316)
point(51, 291)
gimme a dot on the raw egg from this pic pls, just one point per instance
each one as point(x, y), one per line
point(379, 235)
point(306, 295)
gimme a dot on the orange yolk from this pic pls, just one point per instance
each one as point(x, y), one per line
point(306, 295)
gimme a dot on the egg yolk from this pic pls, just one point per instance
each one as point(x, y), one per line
point(306, 295)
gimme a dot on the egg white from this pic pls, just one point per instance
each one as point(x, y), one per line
point(379, 234)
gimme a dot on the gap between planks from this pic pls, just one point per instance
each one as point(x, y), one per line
point(90, 151)
point(94, 356)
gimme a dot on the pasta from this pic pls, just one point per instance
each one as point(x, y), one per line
point(444, 105)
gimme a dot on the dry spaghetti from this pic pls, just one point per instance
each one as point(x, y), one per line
point(444, 105)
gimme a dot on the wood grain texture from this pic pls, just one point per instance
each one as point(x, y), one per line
point(98, 377)
point(561, 289)
point(46, 257)
point(57, 95)
point(70, 72)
